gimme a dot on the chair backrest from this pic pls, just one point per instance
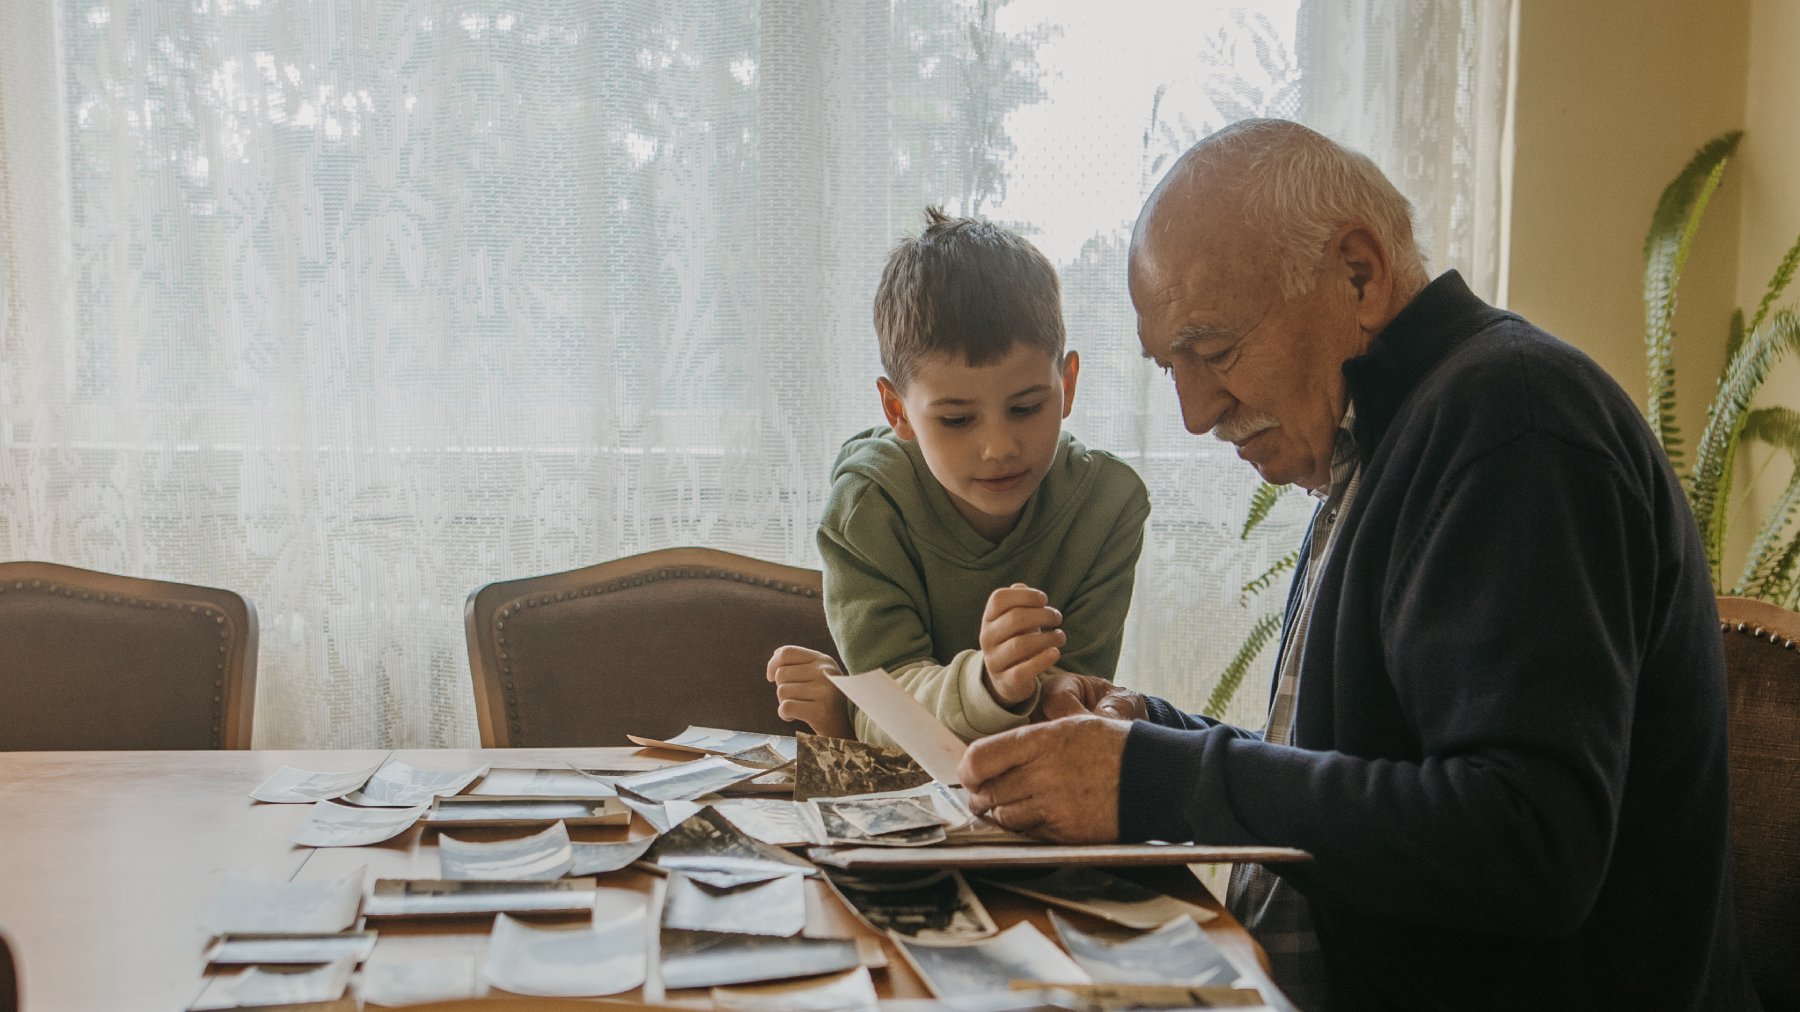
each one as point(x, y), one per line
point(1762, 664)
point(9, 979)
point(99, 661)
point(644, 645)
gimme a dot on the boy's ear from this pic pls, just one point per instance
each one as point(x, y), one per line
point(894, 408)
point(1070, 370)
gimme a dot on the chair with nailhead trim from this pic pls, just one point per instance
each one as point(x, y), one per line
point(1762, 666)
point(644, 645)
point(93, 660)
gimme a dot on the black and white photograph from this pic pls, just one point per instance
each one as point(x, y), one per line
point(330, 824)
point(561, 784)
point(604, 957)
point(416, 981)
point(543, 855)
point(687, 781)
point(774, 907)
point(880, 816)
point(600, 858)
point(763, 757)
point(246, 905)
point(935, 905)
point(661, 817)
point(718, 741)
point(1178, 952)
point(258, 986)
point(300, 949)
point(850, 991)
point(290, 786)
point(1100, 893)
point(399, 784)
point(840, 829)
point(712, 958)
point(474, 811)
point(444, 898)
point(837, 767)
point(709, 848)
point(1020, 953)
point(777, 822)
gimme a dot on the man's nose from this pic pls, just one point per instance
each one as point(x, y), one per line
point(1204, 401)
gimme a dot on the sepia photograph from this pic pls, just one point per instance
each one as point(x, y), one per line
point(709, 848)
point(836, 767)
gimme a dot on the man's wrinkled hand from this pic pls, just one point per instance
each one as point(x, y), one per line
point(1058, 781)
point(1066, 694)
point(804, 691)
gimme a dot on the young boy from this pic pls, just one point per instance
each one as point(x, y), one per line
point(973, 546)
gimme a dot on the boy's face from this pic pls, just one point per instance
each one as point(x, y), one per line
point(988, 433)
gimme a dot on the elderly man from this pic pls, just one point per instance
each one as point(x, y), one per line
point(1498, 723)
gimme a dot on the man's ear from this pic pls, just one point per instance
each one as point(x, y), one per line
point(894, 408)
point(1365, 265)
point(1070, 370)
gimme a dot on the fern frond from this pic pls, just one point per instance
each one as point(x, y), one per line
point(1784, 273)
point(1262, 501)
point(1666, 249)
point(1784, 588)
point(1233, 676)
point(1709, 483)
point(1268, 578)
point(1779, 427)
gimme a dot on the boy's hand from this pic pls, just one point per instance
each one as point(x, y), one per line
point(803, 688)
point(1019, 641)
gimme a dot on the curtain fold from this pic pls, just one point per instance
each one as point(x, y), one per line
point(354, 305)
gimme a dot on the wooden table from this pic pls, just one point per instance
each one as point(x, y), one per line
point(110, 860)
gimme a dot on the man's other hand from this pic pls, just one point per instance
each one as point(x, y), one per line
point(1019, 641)
point(1058, 781)
point(1067, 694)
point(803, 691)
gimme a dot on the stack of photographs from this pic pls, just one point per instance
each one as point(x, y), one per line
point(470, 810)
point(287, 923)
point(465, 898)
point(520, 784)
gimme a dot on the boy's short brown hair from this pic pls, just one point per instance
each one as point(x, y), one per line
point(967, 287)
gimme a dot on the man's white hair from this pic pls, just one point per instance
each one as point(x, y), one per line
point(1299, 187)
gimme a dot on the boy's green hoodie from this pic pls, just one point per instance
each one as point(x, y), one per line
point(907, 578)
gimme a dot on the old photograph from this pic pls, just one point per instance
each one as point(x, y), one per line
point(1020, 953)
point(288, 786)
point(477, 811)
point(444, 898)
point(717, 741)
point(256, 987)
point(402, 785)
point(836, 767)
point(565, 784)
point(935, 905)
point(416, 981)
point(600, 858)
point(708, 847)
point(712, 958)
point(1178, 952)
point(297, 949)
point(605, 957)
point(774, 821)
point(333, 825)
point(542, 855)
point(774, 907)
point(850, 991)
point(687, 781)
point(1101, 893)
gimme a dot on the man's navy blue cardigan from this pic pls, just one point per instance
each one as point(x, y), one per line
point(1509, 758)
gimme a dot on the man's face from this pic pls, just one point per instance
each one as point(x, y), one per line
point(988, 433)
point(1257, 370)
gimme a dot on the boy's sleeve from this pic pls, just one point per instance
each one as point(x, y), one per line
point(874, 600)
point(1095, 617)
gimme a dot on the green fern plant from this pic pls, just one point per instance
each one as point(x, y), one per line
point(1772, 569)
point(1264, 631)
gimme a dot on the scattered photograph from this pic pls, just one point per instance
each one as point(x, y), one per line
point(662, 818)
point(289, 786)
point(880, 816)
point(600, 858)
point(1020, 953)
point(837, 767)
point(1178, 952)
point(709, 848)
point(542, 855)
point(443, 898)
point(333, 825)
point(713, 958)
point(933, 905)
point(401, 785)
point(565, 784)
point(775, 907)
point(717, 741)
point(1102, 894)
point(852, 991)
point(914, 729)
point(687, 781)
point(242, 949)
point(257, 986)
point(416, 981)
point(307, 906)
point(604, 957)
point(763, 757)
point(469, 810)
point(774, 821)
point(839, 830)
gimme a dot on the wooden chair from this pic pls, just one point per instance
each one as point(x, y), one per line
point(1762, 664)
point(643, 645)
point(99, 661)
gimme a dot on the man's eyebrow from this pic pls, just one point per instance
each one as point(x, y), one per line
point(1200, 333)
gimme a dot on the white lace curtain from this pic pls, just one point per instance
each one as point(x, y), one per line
point(353, 305)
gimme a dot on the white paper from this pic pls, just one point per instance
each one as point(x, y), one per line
point(309, 906)
point(256, 987)
point(541, 783)
point(915, 729)
point(662, 818)
point(544, 855)
point(290, 786)
point(597, 959)
point(401, 785)
point(301, 950)
point(416, 981)
point(334, 825)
